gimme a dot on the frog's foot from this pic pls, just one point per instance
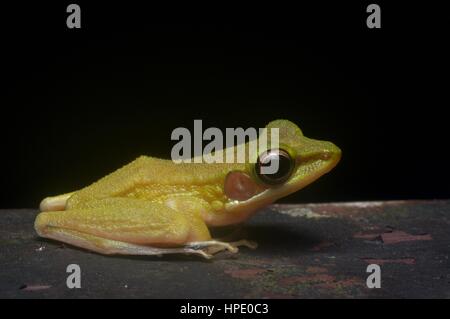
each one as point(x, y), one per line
point(212, 247)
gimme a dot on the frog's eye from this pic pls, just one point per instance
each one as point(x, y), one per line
point(274, 167)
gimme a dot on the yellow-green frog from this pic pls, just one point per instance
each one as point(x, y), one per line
point(154, 206)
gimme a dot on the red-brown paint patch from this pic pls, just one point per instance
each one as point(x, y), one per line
point(398, 236)
point(367, 235)
point(406, 261)
point(245, 273)
point(391, 237)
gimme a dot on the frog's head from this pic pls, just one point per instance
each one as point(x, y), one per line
point(301, 161)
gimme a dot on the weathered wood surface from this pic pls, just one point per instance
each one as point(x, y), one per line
point(305, 251)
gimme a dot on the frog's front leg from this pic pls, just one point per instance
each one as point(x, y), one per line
point(194, 205)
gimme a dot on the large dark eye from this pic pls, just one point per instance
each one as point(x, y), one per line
point(267, 170)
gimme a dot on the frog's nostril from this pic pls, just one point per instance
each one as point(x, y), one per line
point(326, 156)
point(331, 151)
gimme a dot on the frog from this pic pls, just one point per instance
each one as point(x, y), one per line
point(154, 206)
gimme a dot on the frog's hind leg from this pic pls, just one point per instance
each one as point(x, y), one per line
point(114, 247)
point(125, 226)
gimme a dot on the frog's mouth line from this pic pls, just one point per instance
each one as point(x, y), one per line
point(309, 170)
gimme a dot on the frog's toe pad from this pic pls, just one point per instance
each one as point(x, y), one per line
point(247, 243)
point(214, 246)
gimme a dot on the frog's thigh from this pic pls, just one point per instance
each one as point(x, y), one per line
point(116, 229)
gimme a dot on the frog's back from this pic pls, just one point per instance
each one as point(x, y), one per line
point(149, 178)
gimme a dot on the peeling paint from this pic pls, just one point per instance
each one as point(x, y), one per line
point(367, 235)
point(302, 212)
point(362, 204)
point(391, 237)
point(348, 209)
point(401, 236)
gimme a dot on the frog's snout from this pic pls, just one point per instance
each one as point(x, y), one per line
point(332, 152)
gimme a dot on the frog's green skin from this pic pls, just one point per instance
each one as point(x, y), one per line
point(154, 206)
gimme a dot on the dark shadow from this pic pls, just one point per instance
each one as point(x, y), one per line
point(282, 237)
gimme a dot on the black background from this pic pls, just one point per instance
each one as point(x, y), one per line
point(78, 104)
